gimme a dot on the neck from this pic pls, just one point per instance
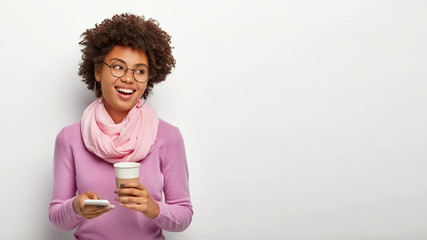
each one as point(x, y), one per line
point(116, 115)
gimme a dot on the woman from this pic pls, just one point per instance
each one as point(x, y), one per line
point(123, 57)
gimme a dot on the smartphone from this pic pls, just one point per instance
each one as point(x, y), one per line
point(97, 202)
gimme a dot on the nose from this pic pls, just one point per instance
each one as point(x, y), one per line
point(128, 77)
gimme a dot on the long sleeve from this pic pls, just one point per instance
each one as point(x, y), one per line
point(164, 172)
point(61, 212)
point(176, 212)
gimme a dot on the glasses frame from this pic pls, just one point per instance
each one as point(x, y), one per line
point(126, 71)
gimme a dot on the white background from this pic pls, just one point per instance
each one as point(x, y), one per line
point(302, 119)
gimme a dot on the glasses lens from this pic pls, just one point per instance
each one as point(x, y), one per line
point(118, 68)
point(141, 74)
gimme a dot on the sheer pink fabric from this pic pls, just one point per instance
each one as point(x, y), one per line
point(129, 141)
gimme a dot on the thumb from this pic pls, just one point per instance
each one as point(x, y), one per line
point(87, 195)
point(92, 195)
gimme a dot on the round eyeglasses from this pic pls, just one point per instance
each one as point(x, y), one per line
point(119, 68)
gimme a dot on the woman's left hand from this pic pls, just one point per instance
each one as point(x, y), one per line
point(138, 198)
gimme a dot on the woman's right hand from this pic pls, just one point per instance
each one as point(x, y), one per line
point(86, 211)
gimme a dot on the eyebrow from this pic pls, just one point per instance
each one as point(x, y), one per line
point(121, 60)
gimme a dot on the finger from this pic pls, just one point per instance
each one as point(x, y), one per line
point(93, 209)
point(90, 208)
point(135, 200)
point(140, 208)
point(132, 192)
point(104, 208)
point(96, 214)
point(99, 210)
point(136, 185)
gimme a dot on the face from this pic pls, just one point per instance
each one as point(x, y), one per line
point(120, 94)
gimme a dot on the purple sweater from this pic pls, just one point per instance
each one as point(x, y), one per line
point(164, 170)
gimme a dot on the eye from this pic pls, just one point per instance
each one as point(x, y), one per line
point(140, 71)
point(117, 66)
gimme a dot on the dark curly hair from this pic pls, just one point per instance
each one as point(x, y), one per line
point(130, 31)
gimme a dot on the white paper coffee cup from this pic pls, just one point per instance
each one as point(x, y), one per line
point(127, 170)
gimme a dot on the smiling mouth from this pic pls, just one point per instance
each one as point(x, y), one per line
point(125, 91)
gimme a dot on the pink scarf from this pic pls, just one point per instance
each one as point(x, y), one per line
point(129, 141)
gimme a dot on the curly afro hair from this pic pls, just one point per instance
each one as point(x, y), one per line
point(130, 31)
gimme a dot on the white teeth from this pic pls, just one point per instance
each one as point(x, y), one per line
point(124, 90)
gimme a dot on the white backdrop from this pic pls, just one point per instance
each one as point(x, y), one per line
point(302, 119)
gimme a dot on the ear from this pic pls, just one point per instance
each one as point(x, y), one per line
point(97, 74)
